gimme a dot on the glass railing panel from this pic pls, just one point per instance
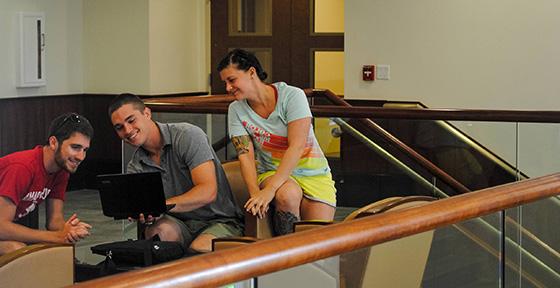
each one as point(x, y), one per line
point(539, 144)
point(465, 255)
point(467, 151)
point(214, 125)
point(500, 139)
point(533, 250)
point(393, 171)
point(323, 273)
point(464, 158)
point(369, 169)
point(327, 133)
point(534, 253)
point(493, 146)
point(476, 154)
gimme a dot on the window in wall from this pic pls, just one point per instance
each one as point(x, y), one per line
point(329, 70)
point(328, 16)
point(250, 17)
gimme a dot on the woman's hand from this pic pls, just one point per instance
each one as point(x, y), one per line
point(298, 131)
point(259, 203)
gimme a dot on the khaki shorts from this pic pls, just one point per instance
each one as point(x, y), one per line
point(224, 227)
point(317, 188)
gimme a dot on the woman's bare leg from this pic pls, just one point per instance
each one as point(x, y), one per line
point(287, 206)
point(315, 210)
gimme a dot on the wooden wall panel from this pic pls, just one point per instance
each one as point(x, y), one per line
point(24, 123)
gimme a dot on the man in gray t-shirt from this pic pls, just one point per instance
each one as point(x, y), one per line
point(192, 176)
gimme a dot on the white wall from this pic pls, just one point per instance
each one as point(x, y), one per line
point(106, 46)
point(469, 54)
point(500, 54)
point(116, 46)
point(178, 46)
point(63, 23)
point(145, 46)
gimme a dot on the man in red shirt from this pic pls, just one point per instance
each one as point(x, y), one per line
point(27, 178)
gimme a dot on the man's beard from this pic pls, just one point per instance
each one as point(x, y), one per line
point(61, 163)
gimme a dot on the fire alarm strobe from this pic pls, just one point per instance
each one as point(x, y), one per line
point(368, 72)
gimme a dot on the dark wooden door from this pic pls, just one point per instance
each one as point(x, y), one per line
point(285, 48)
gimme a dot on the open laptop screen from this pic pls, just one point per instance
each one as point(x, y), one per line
point(128, 195)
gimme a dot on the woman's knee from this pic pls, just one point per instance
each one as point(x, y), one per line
point(288, 197)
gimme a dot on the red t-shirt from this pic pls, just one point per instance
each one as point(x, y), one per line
point(25, 181)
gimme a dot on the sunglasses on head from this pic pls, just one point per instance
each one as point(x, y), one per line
point(71, 117)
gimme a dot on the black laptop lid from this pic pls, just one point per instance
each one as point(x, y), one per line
point(128, 195)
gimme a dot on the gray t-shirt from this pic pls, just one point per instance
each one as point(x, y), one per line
point(185, 147)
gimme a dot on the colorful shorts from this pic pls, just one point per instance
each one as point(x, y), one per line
point(317, 188)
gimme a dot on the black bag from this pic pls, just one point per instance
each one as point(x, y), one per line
point(140, 252)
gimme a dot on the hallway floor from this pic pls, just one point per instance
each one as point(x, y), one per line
point(87, 205)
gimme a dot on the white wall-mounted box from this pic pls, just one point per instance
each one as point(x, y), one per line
point(31, 72)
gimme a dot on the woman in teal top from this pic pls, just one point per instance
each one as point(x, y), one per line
point(281, 161)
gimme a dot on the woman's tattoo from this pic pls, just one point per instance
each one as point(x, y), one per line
point(241, 143)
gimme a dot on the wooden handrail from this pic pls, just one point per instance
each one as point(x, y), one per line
point(173, 95)
point(229, 266)
point(186, 108)
point(218, 104)
point(190, 100)
point(438, 114)
point(385, 113)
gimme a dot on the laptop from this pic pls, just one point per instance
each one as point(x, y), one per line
point(128, 195)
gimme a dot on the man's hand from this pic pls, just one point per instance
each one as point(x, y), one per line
point(75, 230)
point(145, 220)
